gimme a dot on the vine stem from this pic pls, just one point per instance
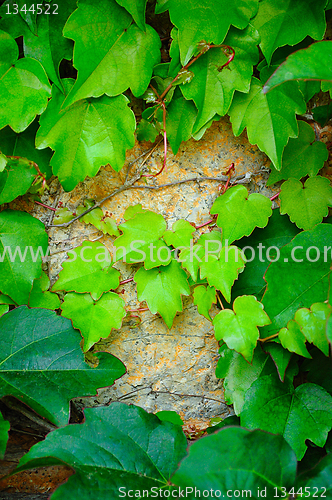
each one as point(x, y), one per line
point(45, 206)
point(126, 281)
point(269, 338)
point(206, 223)
point(274, 196)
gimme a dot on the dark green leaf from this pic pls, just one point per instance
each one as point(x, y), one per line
point(322, 114)
point(226, 422)
point(4, 428)
point(146, 131)
point(41, 363)
point(320, 370)
point(281, 358)
point(169, 416)
point(317, 480)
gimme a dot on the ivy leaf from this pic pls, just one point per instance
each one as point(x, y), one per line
point(96, 217)
point(146, 131)
point(235, 459)
point(212, 90)
point(47, 45)
point(110, 54)
point(306, 204)
point(144, 229)
point(137, 9)
point(191, 258)
point(3, 162)
point(288, 22)
point(292, 338)
point(23, 240)
point(238, 374)
point(88, 269)
point(285, 277)
point(114, 446)
point(313, 324)
point(322, 114)
point(239, 213)
point(281, 358)
point(223, 271)
point(159, 255)
point(24, 86)
point(270, 119)
point(89, 134)
point(40, 297)
point(181, 234)
point(207, 20)
point(238, 328)
point(169, 416)
point(4, 428)
point(204, 297)
point(318, 478)
point(95, 319)
point(305, 64)
point(302, 156)
point(41, 363)
point(162, 289)
point(16, 179)
point(23, 145)
point(319, 370)
point(297, 414)
point(62, 215)
point(180, 119)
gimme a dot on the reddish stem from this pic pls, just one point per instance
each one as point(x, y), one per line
point(206, 223)
point(141, 309)
point(45, 206)
point(229, 173)
point(274, 196)
point(126, 281)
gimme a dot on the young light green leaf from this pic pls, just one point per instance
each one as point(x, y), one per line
point(181, 234)
point(115, 446)
point(292, 338)
point(5, 299)
point(3, 162)
point(159, 254)
point(297, 414)
point(239, 213)
point(306, 204)
point(285, 276)
point(23, 242)
point(88, 269)
point(40, 297)
point(302, 156)
point(162, 289)
point(238, 328)
point(287, 23)
point(24, 86)
point(180, 119)
point(62, 215)
point(191, 258)
point(110, 54)
point(313, 323)
point(131, 211)
point(3, 309)
point(85, 136)
point(235, 459)
point(40, 356)
point(139, 232)
point(223, 271)
point(305, 64)
point(94, 319)
point(208, 20)
point(270, 119)
point(212, 90)
point(204, 297)
point(4, 428)
point(16, 178)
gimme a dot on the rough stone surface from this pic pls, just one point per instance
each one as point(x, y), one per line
point(166, 369)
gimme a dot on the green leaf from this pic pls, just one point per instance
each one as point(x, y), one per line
point(24, 86)
point(239, 213)
point(41, 363)
point(110, 54)
point(270, 119)
point(288, 22)
point(3, 309)
point(88, 269)
point(180, 119)
point(181, 234)
point(281, 358)
point(306, 64)
point(169, 416)
point(285, 277)
point(23, 240)
point(137, 9)
point(62, 215)
point(115, 446)
point(217, 423)
point(238, 374)
point(5, 299)
point(261, 249)
point(319, 370)
point(16, 179)
point(139, 232)
point(40, 297)
point(238, 328)
point(223, 271)
point(204, 297)
point(322, 114)
point(302, 156)
point(23, 145)
point(3, 162)
point(317, 480)
point(235, 459)
point(87, 135)
point(313, 324)
point(208, 244)
point(4, 428)
point(48, 45)
point(297, 414)
point(146, 131)
point(208, 20)
point(212, 90)
point(159, 255)
point(306, 204)
point(162, 289)
point(95, 319)
point(293, 339)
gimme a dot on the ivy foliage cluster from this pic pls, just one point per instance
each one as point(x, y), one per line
point(69, 74)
